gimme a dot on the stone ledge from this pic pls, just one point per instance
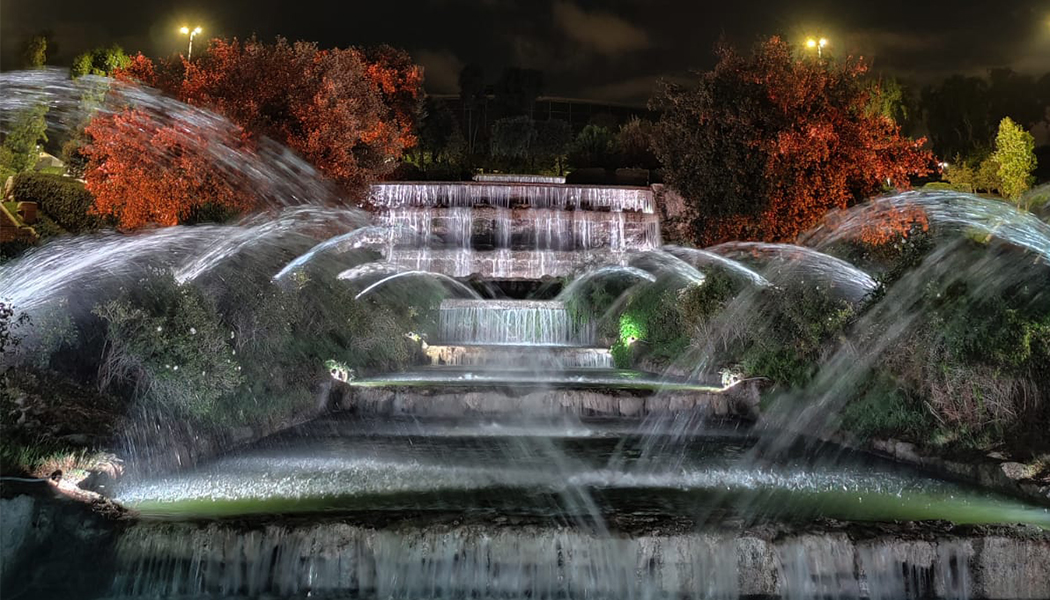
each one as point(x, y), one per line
point(453, 402)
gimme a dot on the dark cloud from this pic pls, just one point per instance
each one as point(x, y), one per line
point(599, 32)
point(605, 49)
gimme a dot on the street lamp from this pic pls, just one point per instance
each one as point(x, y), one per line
point(818, 44)
point(191, 33)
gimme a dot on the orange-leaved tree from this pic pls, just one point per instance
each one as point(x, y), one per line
point(144, 172)
point(348, 112)
point(762, 146)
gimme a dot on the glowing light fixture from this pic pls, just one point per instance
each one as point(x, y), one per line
point(818, 45)
point(192, 33)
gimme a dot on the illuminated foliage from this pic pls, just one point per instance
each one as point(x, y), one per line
point(141, 173)
point(100, 61)
point(1015, 154)
point(348, 112)
point(764, 145)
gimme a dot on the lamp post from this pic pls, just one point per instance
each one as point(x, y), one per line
point(818, 44)
point(190, 32)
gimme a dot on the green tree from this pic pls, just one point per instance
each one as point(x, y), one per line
point(634, 144)
point(20, 150)
point(961, 175)
point(1014, 95)
point(987, 177)
point(893, 100)
point(516, 91)
point(100, 61)
point(552, 144)
point(34, 52)
point(472, 98)
point(595, 146)
point(512, 138)
point(440, 139)
point(957, 115)
point(1015, 153)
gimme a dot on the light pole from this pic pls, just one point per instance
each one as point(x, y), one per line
point(818, 44)
point(191, 33)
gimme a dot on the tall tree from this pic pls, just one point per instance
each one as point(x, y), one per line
point(512, 139)
point(634, 144)
point(764, 145)
point(472, 98)
point(101, 62)
point(440, 139)
point(551, 147)
point(1015, 154)
point(1014, 95)
point(349, 113)
point(594, 146)
point(516, 91)
point(894, 100)
point(957, 115)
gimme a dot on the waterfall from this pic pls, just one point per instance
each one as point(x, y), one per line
point(507, 195)
point(515, 178)
point(474, 561)
point(560, 358)
point(510, 322)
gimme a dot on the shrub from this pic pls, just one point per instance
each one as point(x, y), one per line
point(8, 324)
point(64, 199)
point(883, 408)
point(792, 331)
point(663, 319)
point(938, 186)
point(167, 345)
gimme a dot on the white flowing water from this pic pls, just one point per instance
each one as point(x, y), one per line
point(510, 322)
point(506, 195)
point(517, 178)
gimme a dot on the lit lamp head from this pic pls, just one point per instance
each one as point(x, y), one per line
point(184, 30)
point(810, 43)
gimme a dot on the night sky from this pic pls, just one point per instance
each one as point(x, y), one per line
point(612, 51)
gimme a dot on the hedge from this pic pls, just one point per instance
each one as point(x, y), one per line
point(65, 200)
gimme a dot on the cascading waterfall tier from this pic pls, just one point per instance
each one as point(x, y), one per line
point(342, 560)
point(507, 229)
point(509, 194)
point(519, 178)
point(510, 323)
point(527, 357)
point(514, 228)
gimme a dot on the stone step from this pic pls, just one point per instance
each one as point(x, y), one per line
point(594, 379)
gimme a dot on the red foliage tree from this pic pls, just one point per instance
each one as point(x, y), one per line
point(349, 113)
point(764, 145)
point(141, 172)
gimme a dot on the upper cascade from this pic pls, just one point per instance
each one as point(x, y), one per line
point(508, 194)
point(505, 228)
point(518, 178)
